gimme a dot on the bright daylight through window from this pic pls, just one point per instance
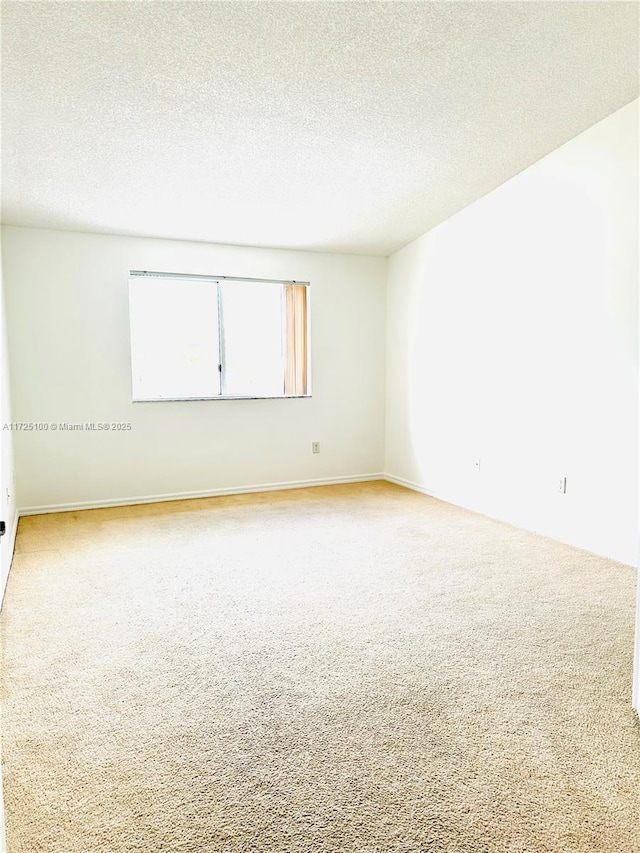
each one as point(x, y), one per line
point(195, 337)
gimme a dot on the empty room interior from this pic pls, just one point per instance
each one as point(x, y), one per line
point(320, 456)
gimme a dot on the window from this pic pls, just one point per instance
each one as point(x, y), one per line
point(195, 337)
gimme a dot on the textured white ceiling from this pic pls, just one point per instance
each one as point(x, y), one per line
point(341, 126)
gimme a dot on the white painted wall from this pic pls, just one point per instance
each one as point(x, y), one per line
point(7, 490)
point(7, 487)
point(512, 337)
point(67, 304)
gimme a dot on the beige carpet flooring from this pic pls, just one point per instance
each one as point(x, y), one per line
point(350, 668)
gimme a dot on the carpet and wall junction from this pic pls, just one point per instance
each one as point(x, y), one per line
point(348, 669)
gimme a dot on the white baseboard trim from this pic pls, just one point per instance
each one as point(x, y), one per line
point(14, 532)
point(204, 493)
point(444, 498)
point(408, 484)
point(486, 512)
point(11, 546)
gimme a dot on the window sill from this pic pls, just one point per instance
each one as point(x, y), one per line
point(219, 397)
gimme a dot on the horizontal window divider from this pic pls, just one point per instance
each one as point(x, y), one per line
point(212, 278)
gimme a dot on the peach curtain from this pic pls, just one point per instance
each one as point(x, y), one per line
point(296, 367)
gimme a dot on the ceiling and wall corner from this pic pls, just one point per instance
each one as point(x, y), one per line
point(341, 127)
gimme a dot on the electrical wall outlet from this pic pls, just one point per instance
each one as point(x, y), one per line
point(315, 447)
point(562, 485)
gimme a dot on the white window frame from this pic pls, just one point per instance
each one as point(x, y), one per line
point(217, 279)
